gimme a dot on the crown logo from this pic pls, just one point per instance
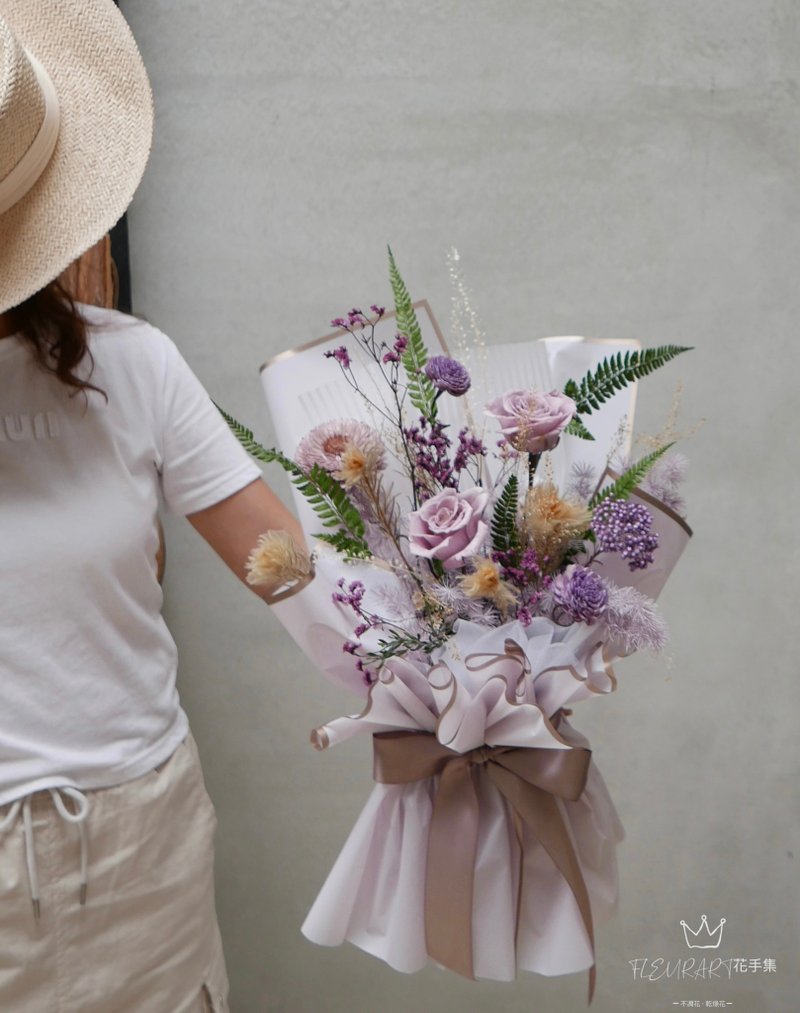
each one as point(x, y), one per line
point(703, 938)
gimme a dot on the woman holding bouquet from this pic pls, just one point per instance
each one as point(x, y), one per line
point(106, 830)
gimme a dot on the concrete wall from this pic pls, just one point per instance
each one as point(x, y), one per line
point(614, 168)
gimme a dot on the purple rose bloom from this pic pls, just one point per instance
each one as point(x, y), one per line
point(530, 420)
point(448, 375)
point(581, 593)
point(449, 526)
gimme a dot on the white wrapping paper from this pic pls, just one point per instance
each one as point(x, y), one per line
point(374, 896)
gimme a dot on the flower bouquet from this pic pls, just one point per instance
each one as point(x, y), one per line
point(474, 603)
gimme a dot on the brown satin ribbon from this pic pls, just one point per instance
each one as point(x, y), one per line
point(530, 779)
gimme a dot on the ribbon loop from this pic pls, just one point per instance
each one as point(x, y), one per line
point(530, 780)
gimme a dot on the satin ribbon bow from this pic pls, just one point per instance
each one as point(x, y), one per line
point(530, 779)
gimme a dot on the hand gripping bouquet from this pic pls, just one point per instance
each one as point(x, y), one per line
point(474, 600)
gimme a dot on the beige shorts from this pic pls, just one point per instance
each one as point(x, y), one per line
point(146, 940)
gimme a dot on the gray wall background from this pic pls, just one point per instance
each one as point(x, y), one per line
point(614, 168)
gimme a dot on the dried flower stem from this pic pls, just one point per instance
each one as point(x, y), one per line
point(533, 463)
point(375, 495)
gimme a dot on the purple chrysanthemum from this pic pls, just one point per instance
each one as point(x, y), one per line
point(448, 375)
point(581, 593)
point(624, 527)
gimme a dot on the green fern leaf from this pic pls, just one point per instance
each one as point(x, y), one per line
point(505, 535)
point(577, 428)
point(325, 495)
point(246, 438)
point(335, 504)
point(627, 482)
point(617, 372)
point(421, 391)
point(349, 547)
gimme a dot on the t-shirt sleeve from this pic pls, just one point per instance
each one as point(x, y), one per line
point(201, 462)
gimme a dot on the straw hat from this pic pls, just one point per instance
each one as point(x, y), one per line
point(76, 122)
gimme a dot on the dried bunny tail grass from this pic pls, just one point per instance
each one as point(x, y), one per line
point(485, 582)
point(551, 522)
point(358, 464)
point(276, 560)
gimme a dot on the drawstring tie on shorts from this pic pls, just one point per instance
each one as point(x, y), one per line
point(78, 818)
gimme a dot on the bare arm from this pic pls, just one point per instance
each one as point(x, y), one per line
point(233, 526)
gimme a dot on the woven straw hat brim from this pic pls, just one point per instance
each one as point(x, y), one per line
point(103, 143)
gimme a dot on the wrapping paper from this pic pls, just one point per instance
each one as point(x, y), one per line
point(501, 688)
point(524, 913)
point(319, 626)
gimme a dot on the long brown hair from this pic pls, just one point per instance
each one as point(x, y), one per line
point(50, 322)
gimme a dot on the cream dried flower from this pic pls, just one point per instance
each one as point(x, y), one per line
point(357, 463)
point(276, 561)
point(485, 582)
point(551, 522)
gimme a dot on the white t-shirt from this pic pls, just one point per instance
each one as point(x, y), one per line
point(87, 664)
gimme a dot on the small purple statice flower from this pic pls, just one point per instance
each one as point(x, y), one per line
point(448, 375)
point(429, 444)
point(624, 527)
point(341, 355)
point(368, 677)
point(581, 593)
point(400, 345)
point(468, 446)
point(349, 594)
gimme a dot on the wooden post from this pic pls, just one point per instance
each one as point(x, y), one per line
point(92, 277)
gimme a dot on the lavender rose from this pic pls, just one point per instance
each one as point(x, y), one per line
point(449, 526)
point(530, 420)
point(448, 375)
point(581, 593)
